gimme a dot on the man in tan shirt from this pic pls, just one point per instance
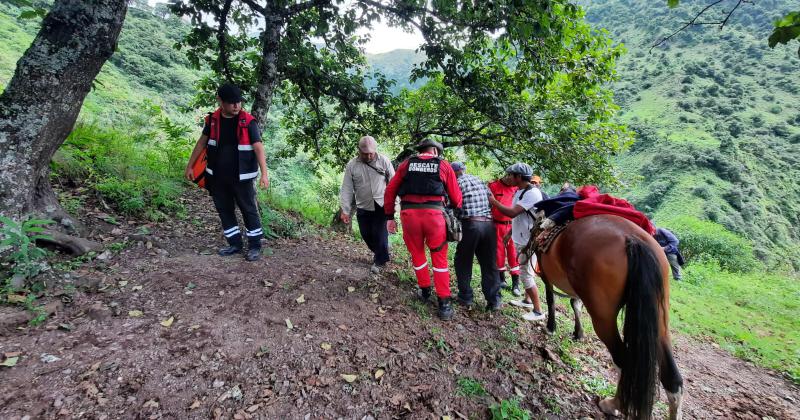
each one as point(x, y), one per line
point(365, 179)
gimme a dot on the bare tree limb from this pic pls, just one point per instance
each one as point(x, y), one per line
point(694, 21)
point(222, 39)
point(257, 7)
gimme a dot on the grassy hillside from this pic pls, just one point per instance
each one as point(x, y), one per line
point(717, 121)
point(396, 65)
point(145, 70)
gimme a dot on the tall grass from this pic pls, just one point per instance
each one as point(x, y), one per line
point(136, 169)
point(755, 316)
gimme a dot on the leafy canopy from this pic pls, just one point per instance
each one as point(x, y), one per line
point(507, 80)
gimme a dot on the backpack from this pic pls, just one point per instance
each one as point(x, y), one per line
point(199, 169)
point(453, 226)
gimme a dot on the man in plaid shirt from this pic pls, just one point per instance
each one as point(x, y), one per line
point(478, 239)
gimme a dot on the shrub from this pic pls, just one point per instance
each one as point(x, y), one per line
point(780, 130)
point(776, 109)
point(702, 191)
point(658, 191)
point(704, 240)
point(18, 249)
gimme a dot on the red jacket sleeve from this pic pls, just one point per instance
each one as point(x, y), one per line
point(390, 194)
point(451, 184)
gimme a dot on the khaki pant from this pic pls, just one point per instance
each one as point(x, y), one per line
point(526, 268)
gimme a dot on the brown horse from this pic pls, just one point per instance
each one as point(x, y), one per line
point(609, 263)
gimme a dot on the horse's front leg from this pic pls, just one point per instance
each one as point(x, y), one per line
point(577, 306)
point(551, 307)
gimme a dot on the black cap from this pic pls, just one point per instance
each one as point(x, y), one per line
point(424, 144)
point(230, 93)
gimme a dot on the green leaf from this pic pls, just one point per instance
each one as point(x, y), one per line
point(673, 3)
point(28, 14)
point(37, 222)
point(10, 362)
point(783, 34)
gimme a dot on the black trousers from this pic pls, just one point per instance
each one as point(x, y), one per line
point(478, 239)
point(229, 195)
point(372, 225)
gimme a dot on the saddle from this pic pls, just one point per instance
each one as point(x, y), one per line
point(543, 233)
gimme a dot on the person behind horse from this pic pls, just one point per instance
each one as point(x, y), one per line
point(478, 239)
point(365, 179)
point(522, 221)
point(422, 182)
point(669, 243)
point(503, 190)
point(536, 181)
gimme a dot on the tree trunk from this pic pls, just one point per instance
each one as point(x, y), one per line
point(268, 68)
point(39, 106)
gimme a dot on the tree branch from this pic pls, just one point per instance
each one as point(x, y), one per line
point(694, 21)
point(257, 7)
point(222, 40)
point(301, 7)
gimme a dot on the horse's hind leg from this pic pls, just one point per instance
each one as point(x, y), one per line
point(605, 326)
point(551, 307)
point(577, 305)
point(671, 379)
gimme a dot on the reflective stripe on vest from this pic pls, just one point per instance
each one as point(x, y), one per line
point(248, 165)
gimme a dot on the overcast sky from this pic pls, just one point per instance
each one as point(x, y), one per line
point(383, 37)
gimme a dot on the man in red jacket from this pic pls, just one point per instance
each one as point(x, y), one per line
point(503, 190)
point(422, 182)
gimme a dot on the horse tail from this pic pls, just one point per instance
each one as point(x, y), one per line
point(644, 291)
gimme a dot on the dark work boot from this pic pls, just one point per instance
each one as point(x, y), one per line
point(445, 309)
point(503, 284)
point(253, 254)
point(424, 294)
point(229, 250)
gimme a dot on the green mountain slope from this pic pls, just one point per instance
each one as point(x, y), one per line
point(144, 69)
point(396, 65)
point(717, 119)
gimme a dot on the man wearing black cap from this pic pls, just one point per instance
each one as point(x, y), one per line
point(422, 182)
point(232, 141)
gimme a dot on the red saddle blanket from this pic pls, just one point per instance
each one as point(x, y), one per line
point(593, 203)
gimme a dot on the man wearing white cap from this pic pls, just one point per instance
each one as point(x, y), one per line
point(521, 223)
point(365, 180)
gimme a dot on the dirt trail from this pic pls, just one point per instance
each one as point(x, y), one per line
point(231, 353)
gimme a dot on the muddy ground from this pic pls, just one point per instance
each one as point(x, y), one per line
point(164, 328)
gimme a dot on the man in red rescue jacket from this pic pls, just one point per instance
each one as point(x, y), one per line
point(422, 182)
point(235, 154)
point(503, 190)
